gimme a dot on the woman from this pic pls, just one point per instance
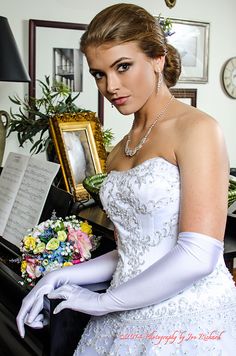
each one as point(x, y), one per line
point(166, 193)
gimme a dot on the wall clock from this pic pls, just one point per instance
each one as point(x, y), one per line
point(229, 77)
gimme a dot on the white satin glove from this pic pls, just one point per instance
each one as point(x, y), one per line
point(96, 270)
point(79, 299)
point(194, 257)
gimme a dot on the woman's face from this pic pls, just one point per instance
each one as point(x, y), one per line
point(124, 75)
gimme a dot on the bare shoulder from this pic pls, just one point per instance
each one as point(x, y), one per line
point(200, 144)
point(198, 130)
point(191, 119)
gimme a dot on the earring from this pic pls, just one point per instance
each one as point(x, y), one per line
point(160, 80)
point(112, 106)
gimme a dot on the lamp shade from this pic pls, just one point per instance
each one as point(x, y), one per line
point(11, 67)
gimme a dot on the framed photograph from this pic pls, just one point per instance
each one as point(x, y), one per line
point(54, 52)
point(68, 68)
point(188, 96)
point(191, 39)
point(79, 146)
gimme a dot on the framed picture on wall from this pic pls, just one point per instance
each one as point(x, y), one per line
point(191, 39)
point(54, 52)
point(187, 96)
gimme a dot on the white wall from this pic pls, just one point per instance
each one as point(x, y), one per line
point(211, 97)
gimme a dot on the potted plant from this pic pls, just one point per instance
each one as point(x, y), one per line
point(31, 123)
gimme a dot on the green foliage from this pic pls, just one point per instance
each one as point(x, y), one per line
point(108, 137)
point(33, 114)
point(232, 190)
point(166, 25)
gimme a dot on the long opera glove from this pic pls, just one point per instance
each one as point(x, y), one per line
point(194, 257)
point(96, 270)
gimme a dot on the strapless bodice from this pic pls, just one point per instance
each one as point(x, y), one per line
point(143, 204)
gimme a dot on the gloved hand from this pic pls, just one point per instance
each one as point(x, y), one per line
point(79, 299)
point(194, 257)
point(96, 270)
point(38, 322)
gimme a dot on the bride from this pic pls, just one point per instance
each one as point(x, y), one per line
point(166, 193)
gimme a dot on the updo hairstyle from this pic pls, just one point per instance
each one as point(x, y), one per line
point(122, 23)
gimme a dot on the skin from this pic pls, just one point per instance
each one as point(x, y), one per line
point(184, 136)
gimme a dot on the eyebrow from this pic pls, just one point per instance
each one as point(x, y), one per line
point(112, 65)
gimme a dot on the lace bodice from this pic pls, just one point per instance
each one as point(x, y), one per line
point(143, 204)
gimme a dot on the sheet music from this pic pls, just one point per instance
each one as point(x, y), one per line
point(30, 199)
point(10, 181)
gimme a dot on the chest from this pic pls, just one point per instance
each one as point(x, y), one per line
point(147, 186)
point(156, 146)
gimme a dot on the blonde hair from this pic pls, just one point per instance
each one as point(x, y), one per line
point(122, 23)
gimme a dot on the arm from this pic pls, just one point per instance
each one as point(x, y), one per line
point(204, 172)
point(203, 167)
point(194, 257)
point(96, 270)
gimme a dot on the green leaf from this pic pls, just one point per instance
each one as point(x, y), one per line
point(15, 100)
point(33, 114)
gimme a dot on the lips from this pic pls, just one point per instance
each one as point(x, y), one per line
point(120, 101)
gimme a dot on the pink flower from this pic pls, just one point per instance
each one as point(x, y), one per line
point(75, 262)
point(31, 268)
point(81, 242)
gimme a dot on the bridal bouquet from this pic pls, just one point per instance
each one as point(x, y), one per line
point(56, 243)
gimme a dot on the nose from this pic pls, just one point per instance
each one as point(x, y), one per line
point(112, 84)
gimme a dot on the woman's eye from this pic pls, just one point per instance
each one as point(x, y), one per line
point(123, 67)
point(97, 75)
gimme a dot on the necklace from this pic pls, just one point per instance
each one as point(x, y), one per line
point(128, 151)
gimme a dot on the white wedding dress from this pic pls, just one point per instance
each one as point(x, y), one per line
point(143, 203)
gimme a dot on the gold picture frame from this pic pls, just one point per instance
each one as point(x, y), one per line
point(80, 149)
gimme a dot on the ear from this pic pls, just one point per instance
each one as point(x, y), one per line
point(158, 64)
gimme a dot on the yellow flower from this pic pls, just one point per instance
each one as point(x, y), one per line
point(29, 242)
point(53, 244)
point(65, 264)
point(86, 228)
point(61, 235)
point(40, 247)
point(23, 266)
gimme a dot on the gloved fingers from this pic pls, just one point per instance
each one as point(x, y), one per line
point(39, 317)
point(61, 306)
point(82, 300)
point(35, 310)
point(22, 316)
point(20, 321)
point(68, 292)
point(37, 323)
point(64, 292)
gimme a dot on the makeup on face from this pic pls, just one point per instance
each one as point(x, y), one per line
point(123, 74)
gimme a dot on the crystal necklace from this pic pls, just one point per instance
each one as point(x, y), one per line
point(128, 151)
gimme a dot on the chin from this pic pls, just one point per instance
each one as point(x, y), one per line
point(125, 110)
